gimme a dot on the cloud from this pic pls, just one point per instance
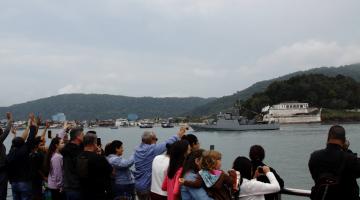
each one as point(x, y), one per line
point(307, 54)
point(71, 89)
point(167, 47)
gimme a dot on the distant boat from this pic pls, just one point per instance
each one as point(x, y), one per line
point(167, 125)
point(114, 127)
point(146, 125)
point(292, 112)
point(230, 122)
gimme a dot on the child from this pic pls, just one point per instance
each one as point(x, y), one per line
point(217, 183)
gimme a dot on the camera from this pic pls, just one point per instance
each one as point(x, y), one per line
point(260, 169)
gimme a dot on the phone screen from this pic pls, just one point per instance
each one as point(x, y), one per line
point(98, 141)
point(49, 134)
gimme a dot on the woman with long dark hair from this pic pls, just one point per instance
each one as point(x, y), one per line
point(190, 173)
point(179, 151)
point(250, 188)
point(54, 165)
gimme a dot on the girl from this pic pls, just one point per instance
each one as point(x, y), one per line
point(179, 151)
point(217, 183)
point(190, 173)
point(54, 165)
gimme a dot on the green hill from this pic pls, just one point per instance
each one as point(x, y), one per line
point(227, 102)
point(316, 89)
point(96, 106)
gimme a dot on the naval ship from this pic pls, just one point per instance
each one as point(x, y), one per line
point(230, 122)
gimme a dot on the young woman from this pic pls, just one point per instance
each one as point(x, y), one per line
point(250, 188)
point(54, 165)
point(179, 151)
point(217, 183)
point(123, 183)
point(193, 141)
point(190, 173)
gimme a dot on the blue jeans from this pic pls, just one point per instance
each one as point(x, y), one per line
point(122, 191)
point(72, 195)
point(21, 190)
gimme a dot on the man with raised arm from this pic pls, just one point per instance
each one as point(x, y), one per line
point(337, 165)
point(18, 161)
point(3, 173)
point(144, 156)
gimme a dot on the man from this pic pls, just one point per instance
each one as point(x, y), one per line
point(18, 162)
point(333, 161)
point(3, 174)
point(144, 156)
point(70, 153)
point(93, 169)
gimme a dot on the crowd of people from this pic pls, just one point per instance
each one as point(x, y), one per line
point(75, 167)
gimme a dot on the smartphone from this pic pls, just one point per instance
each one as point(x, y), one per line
point(98, 142)
point(49, 134)
point(212, 147)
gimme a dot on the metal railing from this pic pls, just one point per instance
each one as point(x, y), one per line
point(296, 192)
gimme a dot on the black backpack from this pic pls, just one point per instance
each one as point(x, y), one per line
point(328, 187)
point(82, 166)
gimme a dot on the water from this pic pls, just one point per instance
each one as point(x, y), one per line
point(287, 149)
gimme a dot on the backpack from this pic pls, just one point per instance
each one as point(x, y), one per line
point(328, 186)
point(82, 166)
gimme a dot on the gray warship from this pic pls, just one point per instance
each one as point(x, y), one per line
point(230, 122)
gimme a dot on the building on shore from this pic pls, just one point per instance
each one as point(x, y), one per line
point(59, 117)
point(292, 112)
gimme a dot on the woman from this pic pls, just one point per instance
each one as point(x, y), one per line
point(54, 165)
point(124, 184)
point(178, 153)
point(193, 141)
point(257, 155)
point(216, 182)
point(250, 188)
point(190, 173)
point(159, 166)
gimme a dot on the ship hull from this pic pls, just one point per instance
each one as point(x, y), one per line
point(250, 127)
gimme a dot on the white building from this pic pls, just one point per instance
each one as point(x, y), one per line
point(59, 117)
point(292, 112)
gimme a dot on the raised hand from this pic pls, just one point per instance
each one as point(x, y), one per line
point(181, 132)
point(9, 116)
point(47, 124)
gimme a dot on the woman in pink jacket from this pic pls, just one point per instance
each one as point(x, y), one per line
point(179, 151)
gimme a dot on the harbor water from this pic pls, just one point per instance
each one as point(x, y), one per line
point(287, 149)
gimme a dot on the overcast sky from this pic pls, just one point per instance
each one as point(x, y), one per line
point(206, 48)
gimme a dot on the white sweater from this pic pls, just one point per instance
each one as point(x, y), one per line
point(159, 168)
point(255, 190)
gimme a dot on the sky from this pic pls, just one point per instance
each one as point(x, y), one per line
point(163, 48)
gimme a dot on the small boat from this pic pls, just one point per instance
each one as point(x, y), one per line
point(146, 125)
point(114, 127)
point(167, 125)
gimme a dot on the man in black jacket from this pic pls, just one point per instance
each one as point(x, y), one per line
point(18, 162)
point(94, 170)
point(70, 153)
point(3, 172)
point(335, 161)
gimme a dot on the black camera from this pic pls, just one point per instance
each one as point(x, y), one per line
point(260, 169)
